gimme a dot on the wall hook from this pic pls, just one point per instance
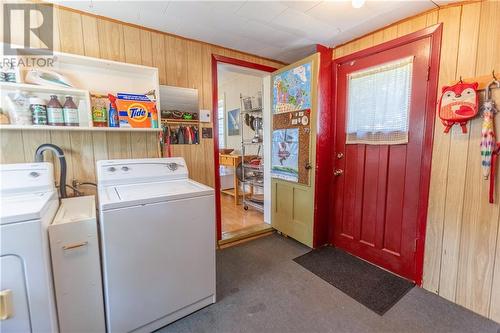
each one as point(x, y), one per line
point(461, 81)
point(494, 76)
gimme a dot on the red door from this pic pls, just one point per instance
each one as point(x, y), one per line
point(378, 188)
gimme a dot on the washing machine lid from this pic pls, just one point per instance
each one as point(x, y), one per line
point(25, 207)
point(111, 197)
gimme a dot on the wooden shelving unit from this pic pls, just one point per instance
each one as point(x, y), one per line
point(258, 180)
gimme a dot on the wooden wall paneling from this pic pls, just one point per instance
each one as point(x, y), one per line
point(479, 236)
point(159, 52)
point(195, 81)
point(458, 161)
point(82, 155)
point(11, 143)
point(495, 286)
point(146, 48)
point(412, 25)
point(132, 40)
point(177, 69)
point(365, 42)
point(439, 172)
point(206, 64)
point(100, 146)
point(432, 18)
point(111, 42)
point(378, 37)
point(138, 145)
point(339, 52)
point(152, 145)
point(71, 40)
point(31, 140)
point(90, 40)
point(195, 68)
point(390, 33)
point(119, 145)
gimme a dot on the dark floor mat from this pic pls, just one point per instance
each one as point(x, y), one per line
point(371, 286)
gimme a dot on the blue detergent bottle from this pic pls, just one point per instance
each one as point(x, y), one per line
point(114, 120)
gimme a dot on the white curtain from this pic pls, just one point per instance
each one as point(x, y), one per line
point(378, 103)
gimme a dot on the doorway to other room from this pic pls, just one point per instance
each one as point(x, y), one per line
point(241, 128)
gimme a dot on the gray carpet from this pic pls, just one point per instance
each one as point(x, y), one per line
point(261, 289)
point(375, 288)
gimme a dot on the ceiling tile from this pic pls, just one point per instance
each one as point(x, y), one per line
point(261, 11)
point(302, 6)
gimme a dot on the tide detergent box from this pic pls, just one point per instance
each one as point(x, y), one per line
point(135, 110)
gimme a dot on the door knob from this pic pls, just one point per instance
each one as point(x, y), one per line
point(340, 155)
point(338, 172)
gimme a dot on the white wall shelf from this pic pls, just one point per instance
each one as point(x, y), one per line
point(33, 88)
point(87, 75)
point(76, 128)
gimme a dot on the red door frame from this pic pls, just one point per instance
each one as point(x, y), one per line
point(435, 33)
point(215, 99)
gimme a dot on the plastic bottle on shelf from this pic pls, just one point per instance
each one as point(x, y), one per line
point(55, 115)
point(154, 117)
point(38, 108)
point(114, 119)
point(99, 110)
point(70, 111)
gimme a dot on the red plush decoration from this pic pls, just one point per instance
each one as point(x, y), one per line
point(458, 104)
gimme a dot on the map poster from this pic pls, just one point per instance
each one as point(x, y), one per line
point(285, 154)
point(292, 89)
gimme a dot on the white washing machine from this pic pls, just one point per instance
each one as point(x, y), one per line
point(158, 242)
point(29, 202)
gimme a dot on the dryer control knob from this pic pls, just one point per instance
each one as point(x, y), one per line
point(125, 168)
point(111, 169)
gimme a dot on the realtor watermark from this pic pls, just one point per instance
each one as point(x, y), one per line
point(28, 35)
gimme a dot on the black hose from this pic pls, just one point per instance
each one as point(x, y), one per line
point(62, 162)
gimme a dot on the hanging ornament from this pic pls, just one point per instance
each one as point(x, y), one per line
point(489, 146)
point(458, 104)
point(488, 138)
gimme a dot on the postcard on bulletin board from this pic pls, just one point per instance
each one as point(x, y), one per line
point(290, 146)
point(292, 89)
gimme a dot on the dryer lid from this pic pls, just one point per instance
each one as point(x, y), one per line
point(26, 178)
point(25, 207)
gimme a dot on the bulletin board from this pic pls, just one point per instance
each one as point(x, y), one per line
point(291, 140)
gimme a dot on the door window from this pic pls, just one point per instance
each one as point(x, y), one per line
point(378, 103)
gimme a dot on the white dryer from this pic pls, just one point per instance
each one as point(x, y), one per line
point(158, 242)
point(29, 202)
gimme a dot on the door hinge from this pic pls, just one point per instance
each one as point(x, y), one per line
point(428, 72)
point(415, 245)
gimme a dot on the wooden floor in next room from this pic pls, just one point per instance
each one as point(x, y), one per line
point(237, 222)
